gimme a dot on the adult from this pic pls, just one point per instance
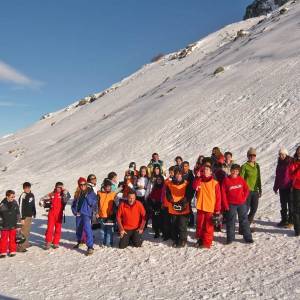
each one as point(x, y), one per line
point(179, 209)
point(234, 196)
point(155, 161)
point(283, 184)
point(83, 206)
point(250, 171)
point(178, 162)
point(92, 183)
point(113, 177)
point(131, 218)
point(57, 200)
point(294, 172)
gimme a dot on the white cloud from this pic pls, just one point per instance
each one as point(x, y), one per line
point(9, 74)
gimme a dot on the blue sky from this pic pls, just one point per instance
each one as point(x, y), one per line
point(55, 52)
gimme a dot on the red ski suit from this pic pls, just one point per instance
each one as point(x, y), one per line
point(55, 218)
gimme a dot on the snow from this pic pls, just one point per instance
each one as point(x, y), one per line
point(173, 107)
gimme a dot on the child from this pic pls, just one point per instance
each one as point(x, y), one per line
point(106, 213)
point(155, 202)
point(58, 200)
point(28, 211)
point(208, 197)
point(10, 214)
point(113, 177)
point(234, 195)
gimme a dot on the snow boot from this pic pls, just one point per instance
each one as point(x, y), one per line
point(47, 246)
point(2, 256)
point(89, 251)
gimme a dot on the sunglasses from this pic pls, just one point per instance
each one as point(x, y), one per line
point(254, 155)
point(82, 184)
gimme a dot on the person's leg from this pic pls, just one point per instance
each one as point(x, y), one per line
point(208, 234)
point(110, 235)
point(243, 220)
point(283, 196)
point(136, 239)
point(296, 202)
point(12, 241)
point(26, 228)
point(50, 228)
point(124, 241)
point(290, 208)
point(173, 221)
point(253, 206)
point(166, 224)
point(87, 227)
point(200, 222)
point(102, 234)
point(79, 229)
point(183, 222)
point(230, 222)
point(4, 242)
point(57, 232)
point(155, 223)
point(106, 241)
point(191, 216)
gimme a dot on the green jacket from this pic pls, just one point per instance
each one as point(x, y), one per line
point(251, 174)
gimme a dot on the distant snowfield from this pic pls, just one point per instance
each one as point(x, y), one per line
point(173, 107)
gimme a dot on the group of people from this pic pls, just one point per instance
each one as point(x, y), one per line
point(220, 189)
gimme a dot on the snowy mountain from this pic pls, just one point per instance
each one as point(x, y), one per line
point(262, 7)
point(236, 88)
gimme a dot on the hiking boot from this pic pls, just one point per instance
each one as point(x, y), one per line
point(47, 246)
point(181, 244)
point(289, 226)
point(55, 246)
point(156, 236)
point(250, 241)
point(2, 255)
point(199, 243)
point(90, 251)
point(12, 254)
point(228, 242)
point(22, 250)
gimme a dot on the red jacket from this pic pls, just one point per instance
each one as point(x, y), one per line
point(294, 173)
point(234, 191)
point(57, 206)
point(131, 217)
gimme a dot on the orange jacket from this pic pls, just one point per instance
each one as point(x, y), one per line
point(178, 193)
point(105, 204)
point(208, 194)
point(131, 217)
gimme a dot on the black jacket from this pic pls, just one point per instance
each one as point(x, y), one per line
point(190, 193)
point(27, 205)
point(10, 214)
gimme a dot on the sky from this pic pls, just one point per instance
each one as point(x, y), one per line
point(52, 53)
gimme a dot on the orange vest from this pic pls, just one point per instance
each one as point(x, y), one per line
point(105, 204)
point(178, 192)
point(206, 196)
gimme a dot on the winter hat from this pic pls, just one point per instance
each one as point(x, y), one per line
point(251, 151)
point(283, 151)
point(81, 180)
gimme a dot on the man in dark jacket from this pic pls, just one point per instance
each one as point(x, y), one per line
point(10, 216)
point(28, 210)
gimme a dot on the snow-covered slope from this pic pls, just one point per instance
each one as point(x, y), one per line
point(174, 106)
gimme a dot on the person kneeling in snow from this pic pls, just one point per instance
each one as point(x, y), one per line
point(83, 207)
point(9, 217)
point(234, 196)
point(131, 217)
point(57, 201)
point(107, 206)
point(208, 205)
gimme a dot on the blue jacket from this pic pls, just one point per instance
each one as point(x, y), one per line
point(88, 206)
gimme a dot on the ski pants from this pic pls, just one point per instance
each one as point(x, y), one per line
point(179, 224)
point(132, 237)
point(296, 202)
point(205, 228)
point(8, 241)
point(166, 226)
point(53, 232)
point(83, 224)
point(252, 203)
point(286, 203)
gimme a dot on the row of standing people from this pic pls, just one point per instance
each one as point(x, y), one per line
point(217, 187)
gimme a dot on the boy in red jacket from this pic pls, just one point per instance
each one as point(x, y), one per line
point(234, 196)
